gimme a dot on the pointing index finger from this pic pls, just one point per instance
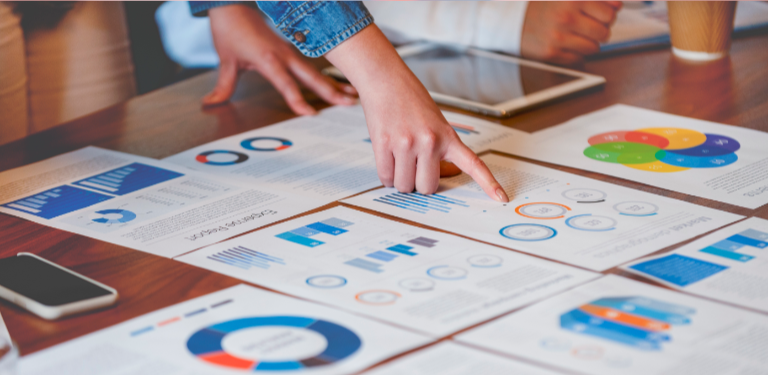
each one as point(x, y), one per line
point(471, 164)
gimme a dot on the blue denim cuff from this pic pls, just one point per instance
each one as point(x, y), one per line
point(316, 27)
point(200, 8)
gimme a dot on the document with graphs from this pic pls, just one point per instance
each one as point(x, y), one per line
point(450, 358)
point(423, 280)
point(730, 265)
point(325, 157)
point(553, 214)
point(237, 330)
point(140, 203)
point(706, 159)
point(616, 325)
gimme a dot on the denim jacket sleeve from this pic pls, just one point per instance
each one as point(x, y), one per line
point(314, 27)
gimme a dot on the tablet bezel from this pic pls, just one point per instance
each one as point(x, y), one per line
point(510, 107)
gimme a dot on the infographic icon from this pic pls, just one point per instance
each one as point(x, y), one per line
point(663, 150)
point(231, 157)
point(266, 144)
point(315, 343)
point(114, 216)
point(640, 322)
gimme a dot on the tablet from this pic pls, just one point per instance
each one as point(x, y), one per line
point(486, 82)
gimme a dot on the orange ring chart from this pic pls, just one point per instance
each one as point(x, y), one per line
point(542, 210)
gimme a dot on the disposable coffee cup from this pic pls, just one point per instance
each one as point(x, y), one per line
point(701, 30)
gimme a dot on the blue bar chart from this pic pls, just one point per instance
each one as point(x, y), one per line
point(245, 258)
point(57, 201)
point(128, 179)
point(303, 235)
point(421, 203)
point(729, 247)
point(390, 254)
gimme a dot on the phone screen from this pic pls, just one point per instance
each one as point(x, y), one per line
point(480, 79)
point(45, 283)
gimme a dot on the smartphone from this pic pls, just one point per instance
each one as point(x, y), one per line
point(49, 290)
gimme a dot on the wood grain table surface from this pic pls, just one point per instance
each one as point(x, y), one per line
point(732, 91)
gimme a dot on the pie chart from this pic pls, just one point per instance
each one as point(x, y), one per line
point(114, 216)
point(266, 144)
point(663, 150)
point(273, 343)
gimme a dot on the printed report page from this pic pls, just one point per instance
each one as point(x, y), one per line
point(706, 159)
point(140, 203)
point(233, 331)
point(325, 157)
point(557, 215)
point(730, 265)
point(427, 281)
point(450, 358)
point(616, 325)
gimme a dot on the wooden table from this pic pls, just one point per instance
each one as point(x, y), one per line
point(733, 91)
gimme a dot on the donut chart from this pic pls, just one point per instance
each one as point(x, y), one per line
point(663, 150)
point(203, 157)
point(206, 344)
point(248, 144)
point(542, 210)
point(125, 216)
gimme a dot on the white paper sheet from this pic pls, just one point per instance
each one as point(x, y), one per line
point(237, 330)
point(4, 330)
point(420, 279)
point(724, 163)
point(558, 215)
point(730, 265)
point(139, 202)
point(449, 358)
point(620, 326)
point(325, 157)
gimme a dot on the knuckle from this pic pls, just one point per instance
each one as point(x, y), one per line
point(405, 142)
point(429, 140)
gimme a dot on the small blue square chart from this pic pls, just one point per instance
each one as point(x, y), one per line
point(57, 201)
point(126, 180)
point(679, 270)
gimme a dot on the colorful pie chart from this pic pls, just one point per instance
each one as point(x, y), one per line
point(663, 150)
point(208, 345)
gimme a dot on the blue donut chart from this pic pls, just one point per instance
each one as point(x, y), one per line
point(551, 232)
point(248, 144)
point(206, 344)
point(203, 157)
point(126, 216)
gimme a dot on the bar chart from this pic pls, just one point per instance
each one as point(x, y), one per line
point(389, 254)
point(729, 247)
point(421, 203)
point(128, 179)
point(57, 201)
point(303, 235)
point(245, 258)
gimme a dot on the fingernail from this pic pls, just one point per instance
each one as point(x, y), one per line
point(502, 195)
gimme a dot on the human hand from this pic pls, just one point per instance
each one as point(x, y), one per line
point(244, 41)
point(563, 32)
point(410, 136)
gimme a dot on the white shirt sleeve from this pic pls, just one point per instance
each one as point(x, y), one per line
point(490, 25)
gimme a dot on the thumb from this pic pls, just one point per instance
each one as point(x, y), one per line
point(225, 85)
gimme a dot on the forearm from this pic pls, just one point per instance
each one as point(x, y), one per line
point(373, 66)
